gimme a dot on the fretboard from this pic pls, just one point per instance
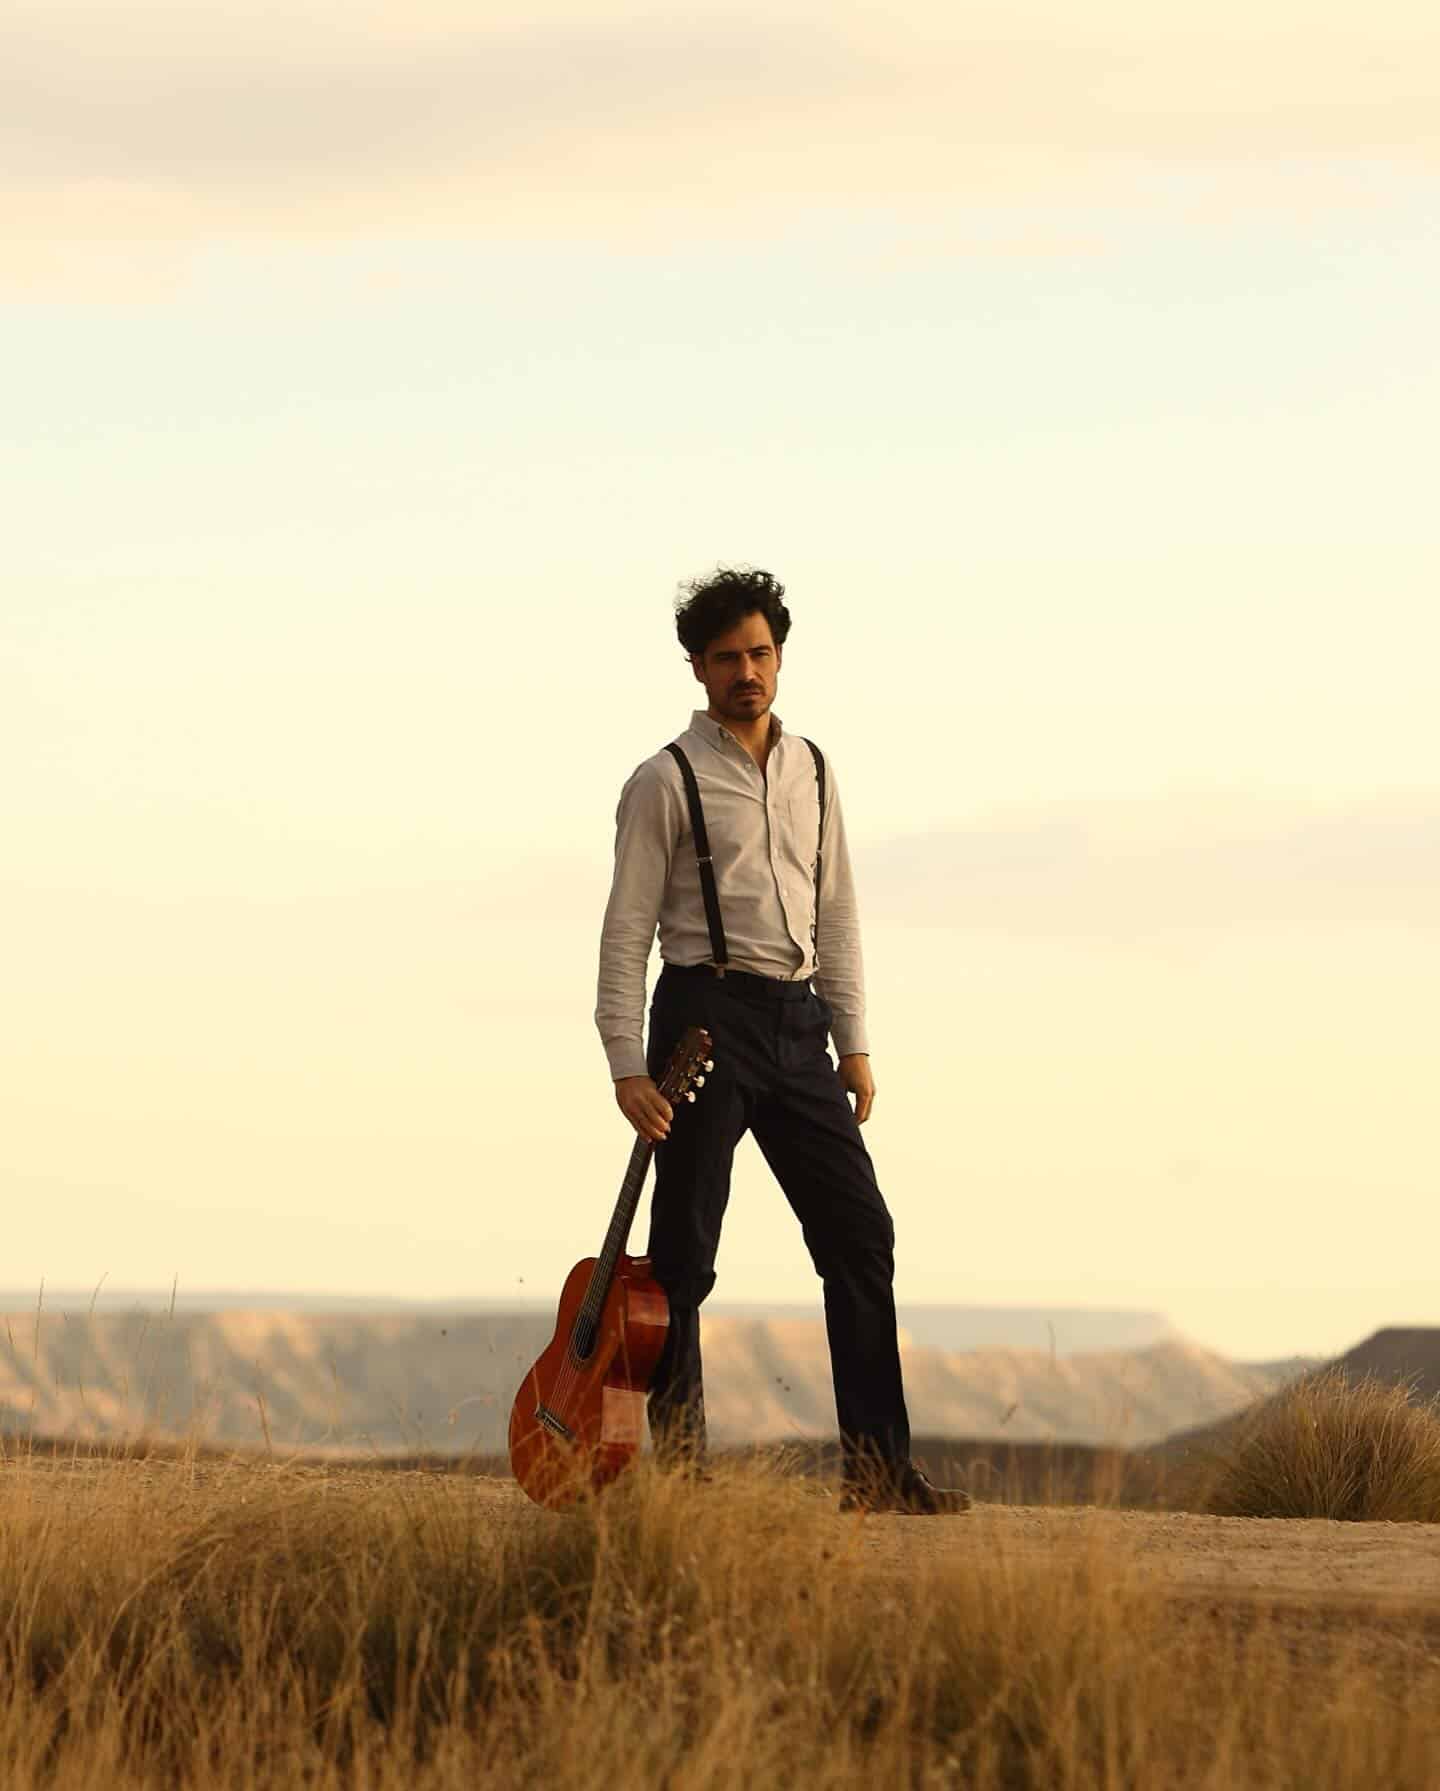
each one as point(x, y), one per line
point(616, 1238)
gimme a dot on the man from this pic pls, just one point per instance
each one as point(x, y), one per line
point(720, 840)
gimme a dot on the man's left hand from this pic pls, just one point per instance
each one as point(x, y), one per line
point(854, 1073)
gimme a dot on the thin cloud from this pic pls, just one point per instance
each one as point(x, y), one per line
point(1146, 867)
point(163, 123)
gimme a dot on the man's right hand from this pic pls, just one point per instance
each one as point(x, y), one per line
point(644, 1106)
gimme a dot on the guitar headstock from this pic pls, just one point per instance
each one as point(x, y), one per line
point(689, 1062)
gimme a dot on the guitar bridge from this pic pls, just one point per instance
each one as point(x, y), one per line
point(554, 1425)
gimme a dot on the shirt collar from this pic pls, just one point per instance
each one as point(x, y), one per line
point(705, 725)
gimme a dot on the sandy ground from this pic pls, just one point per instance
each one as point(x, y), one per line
point(1222, 1556)
point(1381, 1566)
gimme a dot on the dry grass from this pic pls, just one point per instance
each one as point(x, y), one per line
point(165, 1626)
point(1360, 1450)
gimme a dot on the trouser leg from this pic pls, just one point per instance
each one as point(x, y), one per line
point(806, 1128)
point(692, 1190)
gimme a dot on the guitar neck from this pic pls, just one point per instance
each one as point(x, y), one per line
point(618, 1234)
point(682, 1077)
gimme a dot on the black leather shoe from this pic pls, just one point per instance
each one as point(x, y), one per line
point(908, 1491)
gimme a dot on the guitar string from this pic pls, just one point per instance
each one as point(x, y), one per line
point(569, 1377)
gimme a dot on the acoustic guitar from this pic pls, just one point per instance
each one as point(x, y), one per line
point(579, 1417)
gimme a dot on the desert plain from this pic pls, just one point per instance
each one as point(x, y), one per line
point(252, 1623)
point(182, 1612)
point(1367, 1569)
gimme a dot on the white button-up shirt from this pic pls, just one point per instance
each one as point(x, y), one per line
point(764, 828)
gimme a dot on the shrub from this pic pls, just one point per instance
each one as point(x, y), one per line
point(1357, 1450)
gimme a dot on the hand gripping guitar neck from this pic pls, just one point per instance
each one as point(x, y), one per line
point(579, 1416)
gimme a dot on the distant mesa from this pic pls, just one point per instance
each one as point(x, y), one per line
point(1061, 1330)
point(407, 1379)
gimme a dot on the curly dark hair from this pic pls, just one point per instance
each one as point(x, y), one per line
point(712, 606)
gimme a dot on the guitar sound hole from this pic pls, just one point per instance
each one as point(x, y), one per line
point(582, 1339)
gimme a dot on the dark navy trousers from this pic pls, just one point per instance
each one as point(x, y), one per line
point(773, 1077)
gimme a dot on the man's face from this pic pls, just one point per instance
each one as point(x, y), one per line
point(739, 670)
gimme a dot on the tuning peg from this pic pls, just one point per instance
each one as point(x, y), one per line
point(699, 1082)
point(690, 1094)
point(709, 1063)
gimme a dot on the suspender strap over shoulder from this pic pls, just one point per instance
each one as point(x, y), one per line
point(718, 950)
point(819, 759)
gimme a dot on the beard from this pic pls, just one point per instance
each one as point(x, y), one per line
point(745, 705)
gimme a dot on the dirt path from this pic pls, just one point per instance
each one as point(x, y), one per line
point(1225, 1556)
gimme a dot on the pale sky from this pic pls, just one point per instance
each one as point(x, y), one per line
point(372, 377)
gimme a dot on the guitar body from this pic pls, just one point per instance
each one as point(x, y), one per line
point(579, 1417)
point(577, 1423)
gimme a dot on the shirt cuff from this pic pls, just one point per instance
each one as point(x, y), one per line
point(626, 1057)
point(848, 1032)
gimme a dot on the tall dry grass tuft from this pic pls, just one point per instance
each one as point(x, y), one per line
point(1328, 1446)
point(172, 1624)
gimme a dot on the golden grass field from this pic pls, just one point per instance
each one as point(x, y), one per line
point(188, 1622)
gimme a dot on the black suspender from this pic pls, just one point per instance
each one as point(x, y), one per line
point(708, 890)
point(819, 759)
